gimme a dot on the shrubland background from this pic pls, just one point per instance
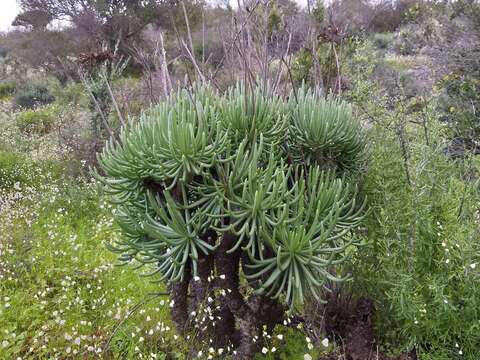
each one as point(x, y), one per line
point(411, 70)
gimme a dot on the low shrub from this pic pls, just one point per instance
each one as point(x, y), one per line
point(31, 95)
point(70, 94)
point(423, 265)
point(302, 67)
point(382, 40)
point(38, 121)
point(6, 89)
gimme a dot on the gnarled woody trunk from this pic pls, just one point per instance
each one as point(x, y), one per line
point(238, 321)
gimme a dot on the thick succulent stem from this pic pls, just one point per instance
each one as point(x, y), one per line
point(205, 269)
point(228, 266)
point(179, 292)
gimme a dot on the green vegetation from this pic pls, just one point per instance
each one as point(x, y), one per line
point(6, 89)
point(40, 120)
point(324, 208)
point(31, 95)
point(241, 181)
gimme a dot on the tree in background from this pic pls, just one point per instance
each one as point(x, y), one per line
point(119, 21)
point(36, 19)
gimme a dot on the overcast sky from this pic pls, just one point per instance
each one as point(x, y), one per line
point(8, 10)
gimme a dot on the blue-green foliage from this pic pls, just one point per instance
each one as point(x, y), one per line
point(272, 168)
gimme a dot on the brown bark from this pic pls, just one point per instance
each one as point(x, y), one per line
point(250, 316)
point(179, 293)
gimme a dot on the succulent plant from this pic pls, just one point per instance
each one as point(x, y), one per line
point(245, 185)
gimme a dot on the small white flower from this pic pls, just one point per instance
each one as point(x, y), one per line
point(264, 350)
point(473, 266)
point(196, 278)
point(273, 349)
point(222, 277)
point(308, 340)
point(460, 352)
point(280, 337)
point(325, 342)
point(307, 357)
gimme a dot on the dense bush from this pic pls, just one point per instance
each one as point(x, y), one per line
point(32, 94)
point(302, 67)
point(242, 181)
point(382, 40)
point(458, 70)
point(459, 103)
point(409, 40)
point(6, 89)
point(423, 266)
point(39, 120)
point(70, 94)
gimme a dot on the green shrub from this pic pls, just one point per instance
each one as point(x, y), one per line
point(3, 51)
point(6, 89)
point(31, 95)
point(70, 94)
point(382, 40)
point(423, 267)
point(302, 67)
point(318, 12)
point(410, 39)
point(40, 120)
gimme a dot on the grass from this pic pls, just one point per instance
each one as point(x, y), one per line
point(61, 294)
